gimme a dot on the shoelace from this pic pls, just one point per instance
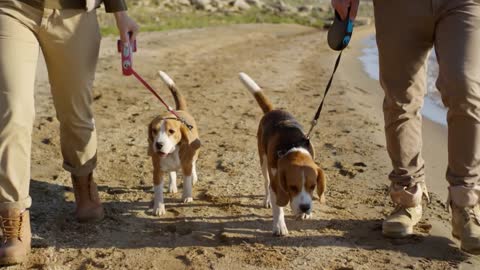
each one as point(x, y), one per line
point(11, 231)
point(399, 208)
point(470, 213)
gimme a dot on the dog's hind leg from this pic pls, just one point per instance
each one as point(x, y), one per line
point(266, 201)
point(187, 183)
point(172, 187)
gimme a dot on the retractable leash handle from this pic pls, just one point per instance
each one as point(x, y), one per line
point(127, 56)
point(340, 32)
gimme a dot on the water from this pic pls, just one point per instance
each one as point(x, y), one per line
point(433, 108)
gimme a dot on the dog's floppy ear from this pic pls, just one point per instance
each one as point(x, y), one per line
point(150, 139)
point(321, 184)
point(310, 148)
point(150, 133)
point(188, 138)
point(280, 186)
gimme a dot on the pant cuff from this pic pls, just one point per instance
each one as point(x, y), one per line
point(83, 170)
point(407, 180)
point(23, 204)
point(464, 196)
point(408, 196)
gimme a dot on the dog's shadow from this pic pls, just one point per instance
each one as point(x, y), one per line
point(53, 224)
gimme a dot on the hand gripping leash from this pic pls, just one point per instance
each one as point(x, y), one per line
point(127, 70)
point(339, 36)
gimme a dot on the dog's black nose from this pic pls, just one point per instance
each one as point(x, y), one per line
point(158, 145)
point(305, 208)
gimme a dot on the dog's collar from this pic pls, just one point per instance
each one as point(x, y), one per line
point(283, 150)
point(181, 120)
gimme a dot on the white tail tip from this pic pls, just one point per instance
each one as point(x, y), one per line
point(249, 83)
point(166, 79)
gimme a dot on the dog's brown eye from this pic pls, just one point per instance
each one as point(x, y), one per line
point(312, 187)
point(293, 189)
point(171, 131)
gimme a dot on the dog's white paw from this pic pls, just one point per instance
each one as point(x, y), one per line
point(267, 203)
point(187, 200)
point(172, 189)
point(159, 210)
point(280, 229)
point(304, 216)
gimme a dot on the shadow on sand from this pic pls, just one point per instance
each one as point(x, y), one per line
point(53, 225)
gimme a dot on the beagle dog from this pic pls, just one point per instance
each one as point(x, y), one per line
point(287, 161)
point(173, 146)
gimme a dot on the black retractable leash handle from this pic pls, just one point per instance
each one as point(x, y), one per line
point(340, 32)
point(339, 36)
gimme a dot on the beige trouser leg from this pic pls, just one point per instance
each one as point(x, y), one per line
point(457, 44)
point(18, 62)
point(70, 41)
point(70, 44)
point(406, 31)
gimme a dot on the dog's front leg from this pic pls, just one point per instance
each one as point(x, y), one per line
point(194, 172)
point(279, 226)
point(187, 183)
point(158, 204)
point(267, 203)
point(172, 186)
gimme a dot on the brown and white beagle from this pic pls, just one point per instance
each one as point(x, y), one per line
point(173, 147)
point(287, 161)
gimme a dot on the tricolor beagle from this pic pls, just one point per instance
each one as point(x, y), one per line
point(173, 146)
point(287, 161)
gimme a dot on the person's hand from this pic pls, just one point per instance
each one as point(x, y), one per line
point(126, 25)
point(341, 6)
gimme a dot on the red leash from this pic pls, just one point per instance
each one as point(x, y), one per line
point(127, 70)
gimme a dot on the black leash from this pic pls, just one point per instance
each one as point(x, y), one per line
point(319, 110)
point(339, 37)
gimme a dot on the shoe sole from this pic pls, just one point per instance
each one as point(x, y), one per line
point(90, 219)
point(474, 250)
point(398, 233)
point(6, 261)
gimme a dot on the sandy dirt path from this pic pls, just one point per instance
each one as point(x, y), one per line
point(226, 226)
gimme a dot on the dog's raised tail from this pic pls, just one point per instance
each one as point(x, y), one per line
point(257, 92)
point(180, 102)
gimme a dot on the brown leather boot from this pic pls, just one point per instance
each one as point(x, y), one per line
point(17, 237)
point(88, 205)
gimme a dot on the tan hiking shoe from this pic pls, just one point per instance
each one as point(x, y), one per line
point(16, 236)
point(466, 217)
point(408, 210)
point(88, 205)
point(466, 227)
point(401, 221)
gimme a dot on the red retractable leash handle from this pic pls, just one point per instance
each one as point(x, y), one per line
point(127, 69)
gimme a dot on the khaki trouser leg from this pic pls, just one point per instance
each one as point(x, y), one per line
point(405, 32)
point(404, 37)
point(18, 62)
point(457, 44)
point(70, 43)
